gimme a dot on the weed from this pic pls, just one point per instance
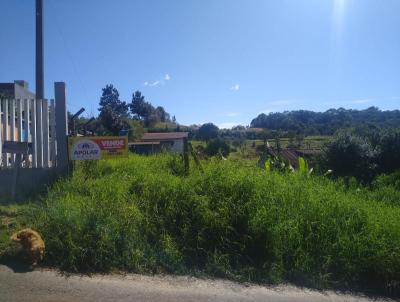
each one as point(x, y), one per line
point(227, 219)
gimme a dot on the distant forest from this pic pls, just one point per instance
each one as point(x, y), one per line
point(328, 122)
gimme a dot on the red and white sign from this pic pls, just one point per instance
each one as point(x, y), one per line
point(100, 147)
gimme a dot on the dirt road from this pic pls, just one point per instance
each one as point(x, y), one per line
point(47, 285)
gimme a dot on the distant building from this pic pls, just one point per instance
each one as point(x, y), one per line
point(152, 143)
point(18, 90)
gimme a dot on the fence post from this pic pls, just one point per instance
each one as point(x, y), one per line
point(33, 134)
point(26, 117)
point(39, 133)
point(53, 144)
point(12, 127)
point(19, 121)
point(45, 114)
point(5, 130)
point(27, 132)
point(61, 126)
point(1, 136)
point(186, 155)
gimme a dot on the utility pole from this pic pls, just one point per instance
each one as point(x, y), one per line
point(39, 51)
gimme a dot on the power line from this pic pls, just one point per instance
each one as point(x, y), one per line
point(69, 55)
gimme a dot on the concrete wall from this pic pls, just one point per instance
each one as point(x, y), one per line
point(30, 182)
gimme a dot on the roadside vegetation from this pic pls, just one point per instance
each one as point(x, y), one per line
point(225, 219)
point(336, 225)
point(13, 217)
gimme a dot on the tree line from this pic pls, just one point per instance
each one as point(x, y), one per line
point(326, 123)
point(116, 115)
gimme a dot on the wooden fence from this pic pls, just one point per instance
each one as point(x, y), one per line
point(36, 130)
point(40, 123)
point(32, 121)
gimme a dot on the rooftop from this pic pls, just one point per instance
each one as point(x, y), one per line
point(17, 90)
point(143, 143)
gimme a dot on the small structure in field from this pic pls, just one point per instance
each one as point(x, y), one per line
point(152, 143)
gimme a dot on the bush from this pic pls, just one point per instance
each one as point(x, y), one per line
point(363, 152)
point(207, 131)
point(389, 157)
point(227, 220)
point(216, 147)
point(350, 155)
point(261, 148)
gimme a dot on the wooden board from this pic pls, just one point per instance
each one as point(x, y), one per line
point(17, 147)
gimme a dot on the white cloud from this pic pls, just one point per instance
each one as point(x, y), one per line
point(232, 114)
point(151, 84)
point(362, 101)
point(161, 81)
point(235, 87)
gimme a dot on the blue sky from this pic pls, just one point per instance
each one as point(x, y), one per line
point(221, 61)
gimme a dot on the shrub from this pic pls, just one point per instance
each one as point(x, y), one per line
point(207, 131)
point(350, 155)
point(389, 157)
point(226, 220)
point(217, 146)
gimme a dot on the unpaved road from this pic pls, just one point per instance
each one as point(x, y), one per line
point(46, 285)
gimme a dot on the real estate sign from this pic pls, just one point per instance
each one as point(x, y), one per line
point(97, 147)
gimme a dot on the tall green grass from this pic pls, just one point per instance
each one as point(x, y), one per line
point(230, 220)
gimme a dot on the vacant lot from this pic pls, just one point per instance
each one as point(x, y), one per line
point(229, 220)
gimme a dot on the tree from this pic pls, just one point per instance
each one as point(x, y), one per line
point(145, 111)
point(239, 128)
point(136, 130)
point(389, 156)
point(139, 107)
point(152, 120)
point(217, 146)
point(350, 155)
point(326, 123)
point(240, 142)
point(113, 112)
point(208, 131)
point(162, 114)
point(264, 135)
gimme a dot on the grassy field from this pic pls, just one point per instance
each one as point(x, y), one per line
point(249, 148)
point(231, 220)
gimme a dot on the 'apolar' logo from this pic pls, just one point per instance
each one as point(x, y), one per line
point(85, 149)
